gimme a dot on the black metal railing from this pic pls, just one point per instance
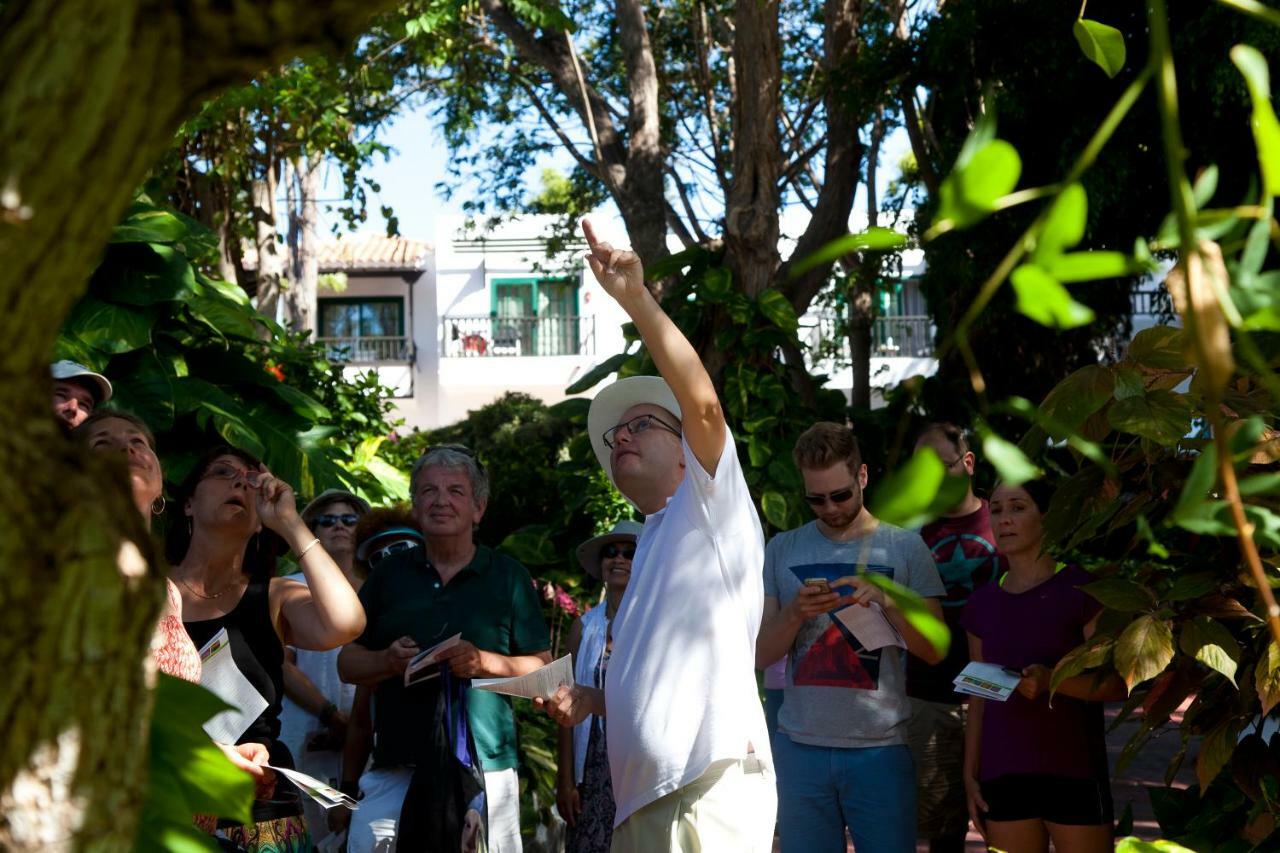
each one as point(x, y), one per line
point(901, 335)
point(483, 335)
point(368, 350)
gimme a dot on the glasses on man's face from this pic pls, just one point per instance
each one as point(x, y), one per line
point(836, 497)
point(328, 520)
point(609, 552)
point(227, 471)
point(387, 550)
point(635, 426)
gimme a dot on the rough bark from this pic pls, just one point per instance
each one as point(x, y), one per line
point(270, 272)
point(752, 207)
point(304, 264)
point(92, 95)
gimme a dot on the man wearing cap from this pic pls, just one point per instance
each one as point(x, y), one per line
point(317, 704)
point(688, 748)
point(417, 598)
point(77, 390)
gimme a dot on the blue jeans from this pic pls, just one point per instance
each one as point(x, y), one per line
point(822, 789)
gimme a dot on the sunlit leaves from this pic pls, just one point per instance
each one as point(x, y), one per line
point(778, 309)
point(1209, 642)
point(1101, 44)
point(970, 192)
point(1162, 416)
point(1046, 301)
point(774, 506)
point(1266, 678)
point(1196, 488)
point(1075, 398)
point(1010, 462)
point(915, 611)
point(1266, 128)
point(1063, 225)
point(1143, 650)
point(918, 491)
point(1091, 655)
point(873, 239)
point(1132, 844)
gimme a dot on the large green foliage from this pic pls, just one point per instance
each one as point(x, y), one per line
point(190, 355)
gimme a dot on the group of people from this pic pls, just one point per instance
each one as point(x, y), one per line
point(664, 742)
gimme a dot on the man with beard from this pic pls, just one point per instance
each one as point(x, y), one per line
point(841, 746)
point(964, 549)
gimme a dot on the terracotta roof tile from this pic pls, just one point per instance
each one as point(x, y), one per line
point(365, 253)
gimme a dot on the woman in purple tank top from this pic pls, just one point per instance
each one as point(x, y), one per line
point(1036, 772)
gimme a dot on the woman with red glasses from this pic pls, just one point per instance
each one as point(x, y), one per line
point(585, 793)
point(224, 564)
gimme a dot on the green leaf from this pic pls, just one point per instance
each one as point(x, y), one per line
point(970, 192)
point(1204, 473)
point(145, 223)
point(532, 546)
point(188, 774)
point(1063, 225)
point(1266, 677)
point(1044, 300)
point(777, 308)
point(1092, 654)
point(1206, 185)
point(303, 404)
point(598, 374)
point(674, 264)
point(1187, 587)
point(110, 328)
point(774, 506)
point(1161, 416)
point(1073, 400)
point(1090, 266)
point(144, 274)
point(1102, 45)
point(1261, 484)
point(716, 284)
point(1215, 752)
point(1210, 518)
point(224, 317)
point(1266, 127)
point(918, 491)
point(1160, 348)
point(1209, 642)
point(1144, 650)
point(873, 239)
point(1011, 463)
point(758, 452)
point(1137, 845)
point(914, 610)
point(1121, 594)
point(1129, 383)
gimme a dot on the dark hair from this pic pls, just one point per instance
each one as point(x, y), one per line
point(825, 444)
point(263, 548)
point(81, 432)
point(1040, 491)
point(954, 435)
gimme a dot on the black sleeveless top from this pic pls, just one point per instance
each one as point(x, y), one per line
point(258, 654)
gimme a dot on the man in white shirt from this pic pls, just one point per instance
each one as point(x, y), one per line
point(688, 747)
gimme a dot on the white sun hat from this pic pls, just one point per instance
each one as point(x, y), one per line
point(611, 403)
point(589, 551)
point(67, 369)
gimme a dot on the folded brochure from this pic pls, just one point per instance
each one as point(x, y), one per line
point(987, 680)
point(323, 794)
point(424, 664)
point(541, 683)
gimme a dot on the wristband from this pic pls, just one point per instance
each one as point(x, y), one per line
point(313, 543)
point(326, 713)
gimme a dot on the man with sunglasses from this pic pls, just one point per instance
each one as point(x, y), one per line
point(841, 746)
point(687, 743)
point(317, 704)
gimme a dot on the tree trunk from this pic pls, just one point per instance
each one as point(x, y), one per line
point(93, 93)
point(270, 275)
point(304, 262)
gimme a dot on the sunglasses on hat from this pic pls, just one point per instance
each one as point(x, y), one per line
point(387, 550)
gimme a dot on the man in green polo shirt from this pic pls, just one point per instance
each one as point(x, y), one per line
point(414, 600)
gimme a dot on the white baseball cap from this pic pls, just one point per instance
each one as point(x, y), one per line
point(610, 404)
point(67, 369)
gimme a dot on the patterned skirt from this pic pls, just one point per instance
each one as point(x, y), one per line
point(594, 830)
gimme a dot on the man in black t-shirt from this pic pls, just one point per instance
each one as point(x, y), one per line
point(964, 550)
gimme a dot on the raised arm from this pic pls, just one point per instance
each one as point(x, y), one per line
point(621, 274)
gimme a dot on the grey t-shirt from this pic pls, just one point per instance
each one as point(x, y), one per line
point(837, 693)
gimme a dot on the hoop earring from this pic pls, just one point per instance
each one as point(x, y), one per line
point(156, 510)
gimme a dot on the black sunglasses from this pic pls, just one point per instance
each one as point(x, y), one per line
point(387, 550)
point(347, 518)
point(608, 552)
point(837, 497)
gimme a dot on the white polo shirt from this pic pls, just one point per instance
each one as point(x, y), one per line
point(680, 691)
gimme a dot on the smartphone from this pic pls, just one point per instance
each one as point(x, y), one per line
point(819, 584)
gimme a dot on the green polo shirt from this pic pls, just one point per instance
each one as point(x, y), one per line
point(491, 602)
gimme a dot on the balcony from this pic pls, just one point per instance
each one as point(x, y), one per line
point(487, 336)
point(368, 350)
point(906, 336)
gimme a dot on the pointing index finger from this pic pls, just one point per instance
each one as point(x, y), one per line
point(589, 231)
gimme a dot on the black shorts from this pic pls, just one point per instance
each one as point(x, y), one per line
point(1056, 799)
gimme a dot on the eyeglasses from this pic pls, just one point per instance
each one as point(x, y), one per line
point(608, 552)
point(226, 471)
point(635, 426)
point(837, 497)
point(347, 518)
point(387, 550)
